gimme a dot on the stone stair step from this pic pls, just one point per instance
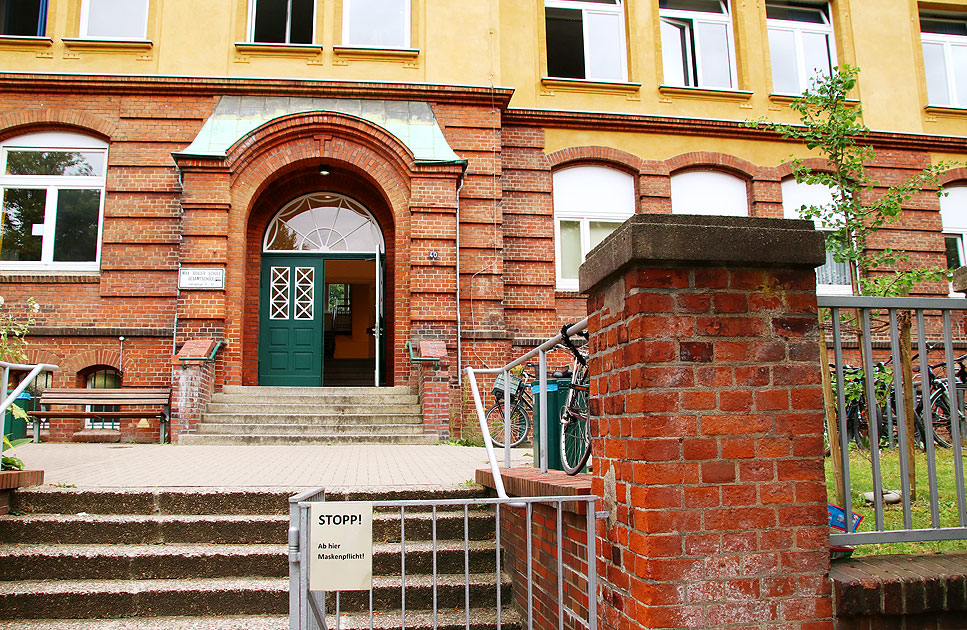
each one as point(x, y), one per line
point(307, 427)
point(255, 390)
point(230, 622)
point(80, 599)
point(335, 408)
point(133, 529)
point(480, 619)
point(171, 561)
point(245, 439)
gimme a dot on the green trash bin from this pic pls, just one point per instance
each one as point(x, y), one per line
point(16, 428)
point(556, 397)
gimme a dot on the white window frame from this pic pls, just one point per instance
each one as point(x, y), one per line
point(589, 8)
point(691, 58)
point(953, 217)
point(790, 210)
point(85, 23)
point(950, 76)
point(250, 34)
point(799, 29)
point(406, 26)
point(682, 202)
point(54, 141)
point(569, 207)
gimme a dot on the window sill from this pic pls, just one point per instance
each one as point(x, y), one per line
point(786, 99)
point(22, 42)
point(589, 86)
point(365, 53)
point(715, 94)
point(945, 111)
point(108, 45)
point(243, 50)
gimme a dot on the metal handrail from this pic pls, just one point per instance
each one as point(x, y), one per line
point(34, 370)
point(540, 350)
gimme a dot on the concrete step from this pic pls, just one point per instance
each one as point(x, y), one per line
point(315, 399)
point(398, 390)
point(245, 439)
point(82, 599)
point(479, 619)
point(190, 501)
point(222, 622)
point(173, 561)
point(325, 427)
point(290, 408)
point(139, 529)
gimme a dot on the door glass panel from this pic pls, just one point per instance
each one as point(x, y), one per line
point(23, 223)
point(279, 293)
point(305, 293)
point(571, 256)
point(323, 222)
point(75, 236)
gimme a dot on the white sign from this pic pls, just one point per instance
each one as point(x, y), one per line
point(341, 546)
point(195, 278)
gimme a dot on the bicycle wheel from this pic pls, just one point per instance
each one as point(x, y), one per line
point(519, 424)
point(940, 419)
point(575, 425)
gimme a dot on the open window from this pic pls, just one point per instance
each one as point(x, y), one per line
point(800, 44)
point(944, 40)
point(709, 193)
point(585, 39)
point(376, 23)
point(53, 201)
point(833, 277)
point(281, 21)
point(697, 43)
point(23, 18)
point(953, 215)
point(590, 202)
point(114, 19)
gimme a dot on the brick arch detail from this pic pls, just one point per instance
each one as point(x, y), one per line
point(954, 176)
point(36, 355)
point(573, 156)
point(784, 170)
point(79, 362)
point(47, 118)
point(697, 160)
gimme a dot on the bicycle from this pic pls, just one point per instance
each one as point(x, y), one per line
point(575, 416)
point(521, 408)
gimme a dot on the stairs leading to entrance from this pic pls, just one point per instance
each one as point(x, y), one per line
point(311, 415)
point(173, 560)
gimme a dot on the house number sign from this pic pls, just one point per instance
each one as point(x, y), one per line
point(201, 278)
point(341, 546)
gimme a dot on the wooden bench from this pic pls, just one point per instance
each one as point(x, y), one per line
point(160, 398)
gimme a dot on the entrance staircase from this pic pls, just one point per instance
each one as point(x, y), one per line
point(180, 560)
point(311, 415)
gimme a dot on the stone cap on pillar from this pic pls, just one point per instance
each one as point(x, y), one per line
point(699, 240)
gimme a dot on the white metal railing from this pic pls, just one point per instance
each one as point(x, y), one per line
point(32, 372)
point(540, 351)
point(883, 424)
point(466, 586)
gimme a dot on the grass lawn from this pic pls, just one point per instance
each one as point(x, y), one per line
point(861, 480)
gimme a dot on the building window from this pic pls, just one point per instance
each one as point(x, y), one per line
point(709, 193)
point(114, 19)
point(696, 43)
point(800, 44)
point(953, 215)
point(589, 203)
point(945, 59)
point(376, 23)
point(585, 39)
point(24, 18)
point(53, 198)
point(281, 21)
point(103, 378)
point(832, 277)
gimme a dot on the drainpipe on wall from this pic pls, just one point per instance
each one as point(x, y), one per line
point(459, 330)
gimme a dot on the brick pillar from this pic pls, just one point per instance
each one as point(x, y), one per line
point(708, 424)
point(434, 388)
point(192, 385)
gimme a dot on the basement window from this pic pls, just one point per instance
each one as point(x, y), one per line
point(114, 19)
point(281, 21)
point(585, 39)
point(23, 18)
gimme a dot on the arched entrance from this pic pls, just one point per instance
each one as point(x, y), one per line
point(321, 296)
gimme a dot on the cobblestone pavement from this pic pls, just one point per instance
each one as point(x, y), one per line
point(351, 466)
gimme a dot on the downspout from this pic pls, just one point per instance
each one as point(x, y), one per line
point(459, 321)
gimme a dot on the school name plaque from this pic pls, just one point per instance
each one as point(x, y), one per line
point(341, 546)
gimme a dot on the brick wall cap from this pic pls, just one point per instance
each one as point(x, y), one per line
point(698, 240)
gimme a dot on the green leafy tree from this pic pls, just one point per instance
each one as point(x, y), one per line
point(14, 325)
point(830, 124)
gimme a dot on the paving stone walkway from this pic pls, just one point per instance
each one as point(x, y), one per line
point(351, 466)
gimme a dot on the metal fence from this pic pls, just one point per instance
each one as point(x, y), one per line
point(872, 411)
point(440, 556)
point(31, 373)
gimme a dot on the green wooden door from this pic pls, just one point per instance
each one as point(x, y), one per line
point(291, 334)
